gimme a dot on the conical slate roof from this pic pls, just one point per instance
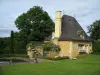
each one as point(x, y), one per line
point(70, 28)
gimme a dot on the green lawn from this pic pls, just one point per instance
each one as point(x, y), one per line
point(84, 65)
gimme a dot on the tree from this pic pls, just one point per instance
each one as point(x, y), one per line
point(36, 24)
point(20, 42)
point(94, 30)
point(4, 44)
point(12, 42)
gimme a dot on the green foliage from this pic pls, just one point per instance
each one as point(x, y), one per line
point(51, 47)
point(57, 58)
point(85, 65)
point(96, 46)
point(12, 42)
point(13, 60)
point(4, 44)
point(12, 55)
point(47, 47)
point(20, 40)
point(35, 23)
point(19, 44)
point(94, 30)
point(34, 44)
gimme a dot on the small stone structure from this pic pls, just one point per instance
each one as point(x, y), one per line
point(33, 54)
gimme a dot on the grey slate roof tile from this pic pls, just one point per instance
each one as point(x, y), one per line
point(69, 29)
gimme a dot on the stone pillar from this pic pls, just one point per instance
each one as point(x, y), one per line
point(71, 50)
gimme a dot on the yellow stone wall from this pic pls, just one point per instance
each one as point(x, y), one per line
point(90, 47)
point(75, 47)
point(53, 54)
point(65, 47)
point(70, 48)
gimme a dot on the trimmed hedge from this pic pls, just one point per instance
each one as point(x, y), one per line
point(13, 55)
point(13, 60)
point(21, 51)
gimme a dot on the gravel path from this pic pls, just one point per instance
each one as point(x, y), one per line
point(4, 63)
point(27, 60)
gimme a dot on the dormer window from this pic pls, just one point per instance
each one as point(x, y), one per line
point(81, 33)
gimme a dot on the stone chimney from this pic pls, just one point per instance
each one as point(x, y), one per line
point(58, 24)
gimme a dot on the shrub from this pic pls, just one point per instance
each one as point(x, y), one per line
point(57, 58)
point(96, 46)
point(47, 47)
point(13, 55)
point(51, 47)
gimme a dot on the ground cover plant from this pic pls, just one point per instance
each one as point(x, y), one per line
point(84, 65)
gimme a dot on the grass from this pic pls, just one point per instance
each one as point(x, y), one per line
point(84, 65)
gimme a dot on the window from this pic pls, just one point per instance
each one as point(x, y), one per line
point(80, 33)
point(82, 48)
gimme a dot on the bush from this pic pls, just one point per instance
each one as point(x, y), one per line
point(4, 51)
point(13, 60)
point(13, 55)
point(47, 47)
point(96, 46)
point(19, 51)
point(51, 47)
point(57, 58)
point(34, 44)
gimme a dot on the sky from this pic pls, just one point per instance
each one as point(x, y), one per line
point(85, 11)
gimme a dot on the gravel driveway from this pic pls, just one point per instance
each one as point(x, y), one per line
point(4, 63)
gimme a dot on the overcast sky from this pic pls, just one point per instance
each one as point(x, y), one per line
point(86, 11)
